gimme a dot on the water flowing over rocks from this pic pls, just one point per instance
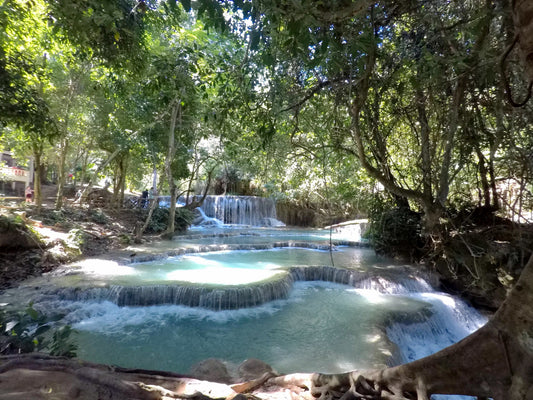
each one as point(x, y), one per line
point(233, 247)
point(128, 258)
point(242, 210)
point(241, 296)
point(233, 210)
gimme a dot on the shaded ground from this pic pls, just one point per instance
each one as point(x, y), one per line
point(65, 236)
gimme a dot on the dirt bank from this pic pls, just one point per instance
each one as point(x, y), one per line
point(59, 237)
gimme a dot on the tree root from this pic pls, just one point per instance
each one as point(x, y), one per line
point(355, 385)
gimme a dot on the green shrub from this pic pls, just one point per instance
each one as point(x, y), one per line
point(30, 330)
point(97, 216)
point(159, 222)
point(395, 231)
point(61, 344)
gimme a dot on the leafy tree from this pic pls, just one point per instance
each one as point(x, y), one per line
point(26, 80)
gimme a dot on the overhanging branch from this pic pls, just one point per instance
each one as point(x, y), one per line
point(318, 88)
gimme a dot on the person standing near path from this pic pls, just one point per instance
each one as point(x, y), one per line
point(29, 194)
point(144, 198)
point(151, 194)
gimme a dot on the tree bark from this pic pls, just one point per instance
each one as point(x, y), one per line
point(523, 23)
point(425, 147)
point(61, 179)
point(37, 190)
point(198, 203)
point(119, 181)
point(482, 169)
point(453, 123)
point(168, 167)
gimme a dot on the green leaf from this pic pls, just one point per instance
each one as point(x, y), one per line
point(294, 27)
point(268, 58)
point(42, 329)
point(32, 312)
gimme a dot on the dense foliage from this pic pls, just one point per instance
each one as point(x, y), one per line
point(322, 105)
point(31, 330)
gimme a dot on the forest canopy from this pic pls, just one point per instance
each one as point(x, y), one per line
point(349, 106)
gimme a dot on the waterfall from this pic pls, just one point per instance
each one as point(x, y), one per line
point(451, 321)
point(213, 298)
point(243, 296)
point(242, 210)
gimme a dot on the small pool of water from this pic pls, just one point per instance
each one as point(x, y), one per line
point(223, 267)
point(321, 327)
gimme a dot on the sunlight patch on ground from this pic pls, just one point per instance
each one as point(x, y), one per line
point(49, 234)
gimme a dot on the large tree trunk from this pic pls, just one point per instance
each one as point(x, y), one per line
point(61, 179)
point(168, 167)
point(37, 190)
point(119, 181)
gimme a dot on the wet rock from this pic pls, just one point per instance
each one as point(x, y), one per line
point(253, 368)
point(213, 370)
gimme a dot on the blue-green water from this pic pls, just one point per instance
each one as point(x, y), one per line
point(321, 326)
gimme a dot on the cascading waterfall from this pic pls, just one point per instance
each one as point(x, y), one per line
point(413, 316)
point(242, 210)
point(192, 298)
point(243, 296)
point(452, 321)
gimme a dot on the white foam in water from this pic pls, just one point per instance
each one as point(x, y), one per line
point(208, 221)
point(451, 321)
point(108, 318)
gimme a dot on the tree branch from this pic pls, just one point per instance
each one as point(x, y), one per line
point(318, 88)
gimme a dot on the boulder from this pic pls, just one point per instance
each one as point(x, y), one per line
point(213, 370)
point(15, 235)
point(253, 368)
